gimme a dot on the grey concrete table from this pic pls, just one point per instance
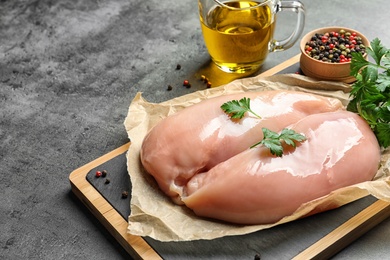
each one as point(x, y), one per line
point(69, 70)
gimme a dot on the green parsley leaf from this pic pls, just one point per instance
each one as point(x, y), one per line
point(383, 82)
point(273, 140)
point(238, 108)
point(386, 61)
point(377, 50)
point(357, 62)
point(383, 132)
point(289, 136)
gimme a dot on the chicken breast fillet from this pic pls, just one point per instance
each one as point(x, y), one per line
point(255, 187)
point(201, 136)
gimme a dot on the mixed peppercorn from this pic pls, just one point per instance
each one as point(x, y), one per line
point(103, 174)
point(335, 47)
point(186, 82)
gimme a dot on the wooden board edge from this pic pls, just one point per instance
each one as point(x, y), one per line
point(348, 232)
point(136, 246)
point(281, 66)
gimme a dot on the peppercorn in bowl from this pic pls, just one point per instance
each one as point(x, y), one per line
point(326, 53)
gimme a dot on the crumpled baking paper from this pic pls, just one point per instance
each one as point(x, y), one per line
point(153, 213)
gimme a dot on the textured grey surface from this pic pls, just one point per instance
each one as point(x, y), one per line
point(68, 71)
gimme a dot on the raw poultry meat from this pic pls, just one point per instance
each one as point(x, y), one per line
point(255, 187)
point(201, 136)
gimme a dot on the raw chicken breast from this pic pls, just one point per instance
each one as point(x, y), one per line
point(255, 187)
point(201, 136)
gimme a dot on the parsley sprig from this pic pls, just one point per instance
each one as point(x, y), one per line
point(237, 108)
point(272, 140)
point(370, 94)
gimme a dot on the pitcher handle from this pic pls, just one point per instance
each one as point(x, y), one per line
point(299, 9)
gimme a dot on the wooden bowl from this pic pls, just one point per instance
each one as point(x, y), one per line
point(327, 70)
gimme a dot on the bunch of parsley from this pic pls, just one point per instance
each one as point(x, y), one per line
point(370, 94)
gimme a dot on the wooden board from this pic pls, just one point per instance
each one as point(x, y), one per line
point(333, 230)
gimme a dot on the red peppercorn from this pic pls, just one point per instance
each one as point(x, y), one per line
point(186, 83)
point(98, 174)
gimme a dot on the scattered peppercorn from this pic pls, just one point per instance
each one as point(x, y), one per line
point(104, 173)
point(186, 83)
point(98, 174)
point(257, 257)
point(107, 181)
point(334, 47)
point(178, 67)
point(169, 88)
point(206, 81)
point(125, 194)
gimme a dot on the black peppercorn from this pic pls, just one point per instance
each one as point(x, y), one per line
point(125, 194)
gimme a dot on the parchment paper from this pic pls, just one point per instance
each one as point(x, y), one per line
point(153, 214)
